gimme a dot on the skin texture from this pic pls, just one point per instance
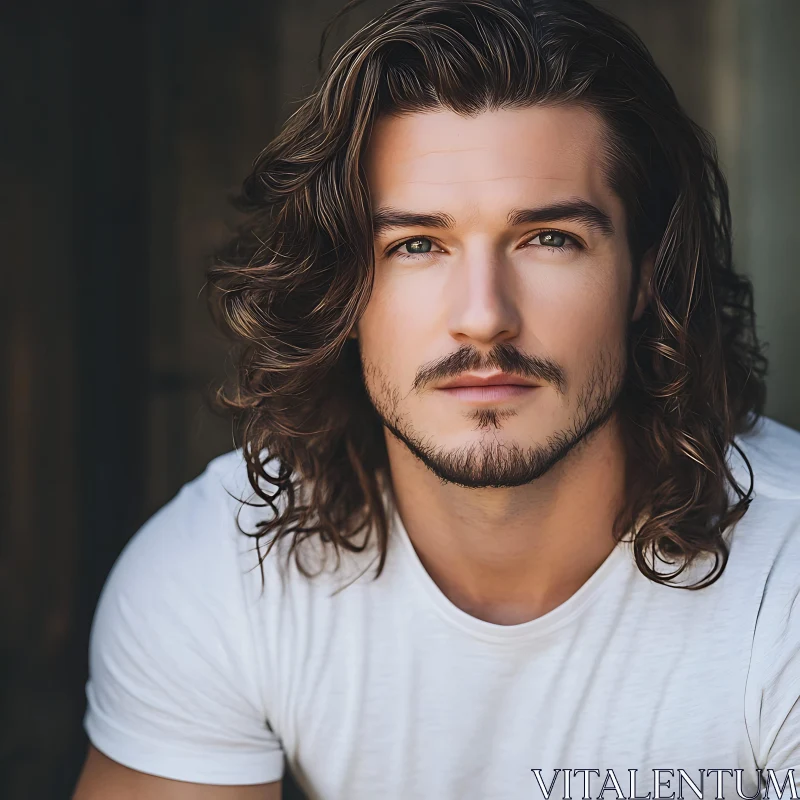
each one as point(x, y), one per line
point(104, 779)
point(510, 503)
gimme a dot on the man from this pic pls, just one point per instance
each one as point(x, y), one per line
point(522, 529)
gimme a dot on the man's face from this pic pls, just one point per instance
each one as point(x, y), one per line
point(483, 287)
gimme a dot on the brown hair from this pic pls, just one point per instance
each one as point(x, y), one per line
point(292, 284)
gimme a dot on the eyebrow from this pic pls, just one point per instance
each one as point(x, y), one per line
point(578, 210)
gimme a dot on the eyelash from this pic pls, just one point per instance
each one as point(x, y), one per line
point(414, 256)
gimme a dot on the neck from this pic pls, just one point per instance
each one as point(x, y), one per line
point(511, 555)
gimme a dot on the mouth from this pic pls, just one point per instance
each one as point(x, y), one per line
point(491, 393)
point(487, 388)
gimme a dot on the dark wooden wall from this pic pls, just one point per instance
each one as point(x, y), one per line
point(130, 123)
point(126, 125)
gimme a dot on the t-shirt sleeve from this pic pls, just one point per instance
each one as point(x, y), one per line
point(176, 678)
point(776, 669)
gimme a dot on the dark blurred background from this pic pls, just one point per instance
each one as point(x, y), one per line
point(125, 127)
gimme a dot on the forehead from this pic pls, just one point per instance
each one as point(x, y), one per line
point(498, 157)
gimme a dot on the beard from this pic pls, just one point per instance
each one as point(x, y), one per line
point(489, 463)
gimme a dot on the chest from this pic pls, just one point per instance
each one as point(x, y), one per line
point(396, 703)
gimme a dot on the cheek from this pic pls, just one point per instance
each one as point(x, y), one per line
point(396, 327)
point(578, 313)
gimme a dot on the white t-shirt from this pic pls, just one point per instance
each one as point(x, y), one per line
point(388, 690)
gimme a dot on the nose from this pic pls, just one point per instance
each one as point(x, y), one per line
point(483, 299)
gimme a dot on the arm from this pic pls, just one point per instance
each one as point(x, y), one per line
point(104, 779)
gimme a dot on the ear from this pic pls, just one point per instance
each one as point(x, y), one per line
point(645, 291)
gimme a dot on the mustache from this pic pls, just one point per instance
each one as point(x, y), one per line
point(504, 357)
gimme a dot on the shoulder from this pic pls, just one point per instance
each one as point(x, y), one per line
point(765, 543)
point(188, 568)
point(202, 528)
point(208, 541)
point(773, 450)
point(191, 540)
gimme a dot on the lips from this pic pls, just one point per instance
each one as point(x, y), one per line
point(494, 379)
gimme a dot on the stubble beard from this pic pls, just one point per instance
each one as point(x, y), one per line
point(488, 462)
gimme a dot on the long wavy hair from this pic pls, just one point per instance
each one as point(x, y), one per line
point(292, 284)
